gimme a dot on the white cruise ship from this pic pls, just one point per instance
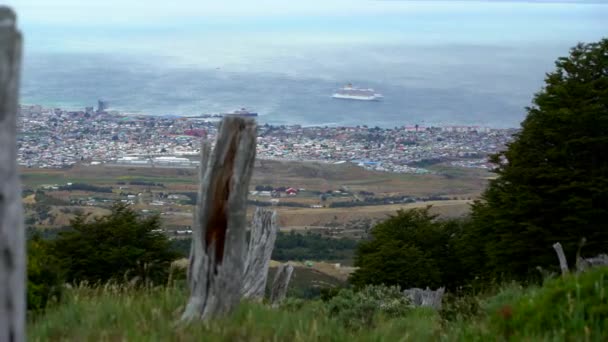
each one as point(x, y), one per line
point(351, 93)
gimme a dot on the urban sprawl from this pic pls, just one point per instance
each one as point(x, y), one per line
point(57, 138)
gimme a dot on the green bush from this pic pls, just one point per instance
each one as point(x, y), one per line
point(411, 249)
point(44, 275)
point(119, 247)
point(360, 309)
point(458, 307)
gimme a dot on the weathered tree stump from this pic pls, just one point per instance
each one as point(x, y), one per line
point(584, 264)
point(12, 234)
point(261, 243)
point(215, 272)
point(280, 284)
point(427, 298)
point(563, 264)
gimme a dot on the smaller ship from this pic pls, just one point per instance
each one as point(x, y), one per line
point(241, 112)
point(352, 93)
point(217, 117)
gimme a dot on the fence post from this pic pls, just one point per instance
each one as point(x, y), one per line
point(12, 234)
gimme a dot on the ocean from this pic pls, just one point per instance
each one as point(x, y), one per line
point(465, 63)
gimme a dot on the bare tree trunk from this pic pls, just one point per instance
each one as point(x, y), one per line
point(12, 234)
point(215, 272)
point(280, 284)
point(263, 234)
point(563, 264)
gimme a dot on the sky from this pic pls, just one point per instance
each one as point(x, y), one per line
point(499, 47)
point(155, 25)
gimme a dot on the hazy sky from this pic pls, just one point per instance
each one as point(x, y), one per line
point(154, 26)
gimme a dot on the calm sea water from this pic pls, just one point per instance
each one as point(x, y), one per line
point(456, 62)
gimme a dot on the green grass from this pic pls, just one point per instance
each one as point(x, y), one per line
point(574, 308)
point(37, 179)
point(119, 313)
point(159, 179)
point(570, 309)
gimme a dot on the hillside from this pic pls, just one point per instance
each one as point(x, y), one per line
point(574, 309)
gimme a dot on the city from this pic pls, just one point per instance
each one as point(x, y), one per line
point(57, 138)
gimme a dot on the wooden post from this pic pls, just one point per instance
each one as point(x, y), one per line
point(263, 234)
point(280, 284)
point(215, 272)
point(12, 234)
point(563, 264)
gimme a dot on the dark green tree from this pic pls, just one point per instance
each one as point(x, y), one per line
point(44, 275)
point(410, 249)
point(117, 247)
point(552, 182)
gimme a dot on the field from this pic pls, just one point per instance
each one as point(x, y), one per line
point(147, 185)
point(301, 218)
point(307, 175)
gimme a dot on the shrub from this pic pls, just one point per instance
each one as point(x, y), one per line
point(119, 247)
point(455, 307)
point(359, 309)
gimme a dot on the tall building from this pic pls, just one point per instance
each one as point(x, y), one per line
point(102, 105)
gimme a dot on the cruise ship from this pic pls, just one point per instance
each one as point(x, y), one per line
point(352, 93)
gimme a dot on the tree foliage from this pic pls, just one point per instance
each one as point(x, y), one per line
point(117, 247)
point(295, 247)
point(410, 249)
point(552, 182)
point(44, 276)
point(311, 246)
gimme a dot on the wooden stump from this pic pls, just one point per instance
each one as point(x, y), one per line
point(280, 284)
point(12, 234)
point(215, 272)
point(563, 264)
point(263, 234)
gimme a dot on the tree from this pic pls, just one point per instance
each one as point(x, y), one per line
point(117, 247)
point(410, 249)
point(44, 275)
point(552, 182)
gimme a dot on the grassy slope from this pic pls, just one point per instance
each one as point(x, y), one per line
point(575, 308)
